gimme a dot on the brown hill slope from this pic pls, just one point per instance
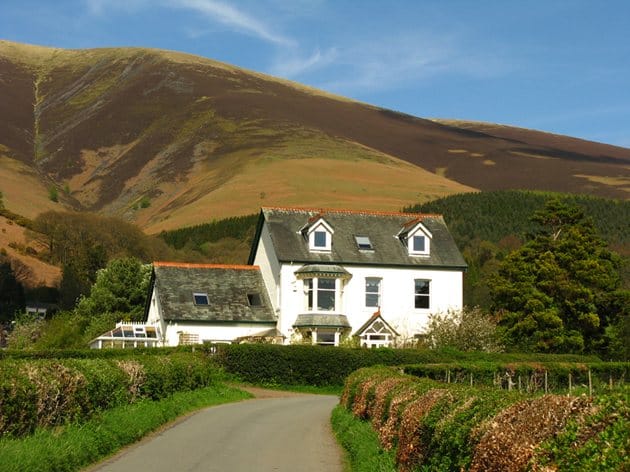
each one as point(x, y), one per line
point(168, 140)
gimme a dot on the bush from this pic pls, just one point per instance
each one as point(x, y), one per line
point(46, 393)
point(319, 365)
point(468, 329)
point(433, 426)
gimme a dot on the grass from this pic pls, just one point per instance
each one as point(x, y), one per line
point(75, 446)
point(363, 450)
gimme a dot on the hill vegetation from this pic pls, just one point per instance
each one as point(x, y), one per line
point(169, 140)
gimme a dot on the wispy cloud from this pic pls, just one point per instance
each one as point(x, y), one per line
point(215, 11)
point(389, 62)
point(292, 65)
point(234, 18)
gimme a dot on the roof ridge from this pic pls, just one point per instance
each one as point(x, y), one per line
point(323, 210)
point(193, 265)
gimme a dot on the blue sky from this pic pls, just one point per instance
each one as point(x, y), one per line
point(555, 65)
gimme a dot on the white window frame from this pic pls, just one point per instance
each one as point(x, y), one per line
point(379, 285)
point(311, 288)
point(427, 243)
point(417, 294)
point(320, 226)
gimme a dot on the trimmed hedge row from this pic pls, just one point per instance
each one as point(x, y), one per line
point(91, 353)
point(320, 365)
point(438, 427)
point(45, 393)
point(528, 376)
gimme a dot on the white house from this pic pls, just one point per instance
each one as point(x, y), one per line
point(376, 275)
point(196, 303)
point(313, 275)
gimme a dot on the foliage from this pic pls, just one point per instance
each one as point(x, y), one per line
point(319, 365)
point(598, 444)
point(120, 287)
point(548, 291)
point(361, 443)
point(468, 329)
point(239, 227)
point(488, 225)
point(53, 194)
point(78, 445)
point(62, 391)
point(26, 330)
point(83, 243)
point(491, 216)
point(11, 292)
point(63, 330)
point(436, 427)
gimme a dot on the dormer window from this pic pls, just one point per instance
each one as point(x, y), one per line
point(320, 240)
point(418, 244)
point(319, 236)
point(417, 238)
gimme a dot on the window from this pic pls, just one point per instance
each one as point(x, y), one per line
point(422, 293)
point(372, 291)
point(319, 239)
point(363, 243)
point(418, 244)
point(201, 298)
point(321, 294)
point(254, 299)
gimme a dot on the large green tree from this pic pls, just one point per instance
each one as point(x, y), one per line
point(556, 293)
point(119, 288)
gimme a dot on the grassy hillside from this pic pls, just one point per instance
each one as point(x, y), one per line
point(169, 140)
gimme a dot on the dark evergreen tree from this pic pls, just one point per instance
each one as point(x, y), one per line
point(552, 292)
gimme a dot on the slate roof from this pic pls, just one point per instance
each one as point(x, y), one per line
point(285, 225)
point(227, 287)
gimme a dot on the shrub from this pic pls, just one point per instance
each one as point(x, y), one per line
point(433, 426)
point(46, 393)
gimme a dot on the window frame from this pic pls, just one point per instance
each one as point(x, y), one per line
point(312, 291)
point(379, 283)
point(200, 294)
point(366, 245)
point(421, 294)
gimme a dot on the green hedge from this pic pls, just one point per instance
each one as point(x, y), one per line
point(529, 376)
point(433, 426)
point(320, 365)
point(44, 393)
point(91, 353)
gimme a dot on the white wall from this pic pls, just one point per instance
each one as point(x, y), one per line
point(212, 333)
point(397, 297)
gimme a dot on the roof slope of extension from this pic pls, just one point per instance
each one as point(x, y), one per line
point(227, 287)
point(287, 225)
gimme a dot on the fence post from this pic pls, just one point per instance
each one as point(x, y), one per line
point(471, 379)
point(590, 384)
point(570, 384)
point(546, 385)
point(519, 382)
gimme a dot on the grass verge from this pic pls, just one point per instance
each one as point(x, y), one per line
point(75, 446)
point(363, 450)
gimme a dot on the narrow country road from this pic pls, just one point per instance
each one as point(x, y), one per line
point(290, 433)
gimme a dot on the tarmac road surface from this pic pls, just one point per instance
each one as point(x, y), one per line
point(269, 434)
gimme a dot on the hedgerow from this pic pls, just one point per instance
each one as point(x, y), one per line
point(319, 365)
point(44, 393)
point(433, 426)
